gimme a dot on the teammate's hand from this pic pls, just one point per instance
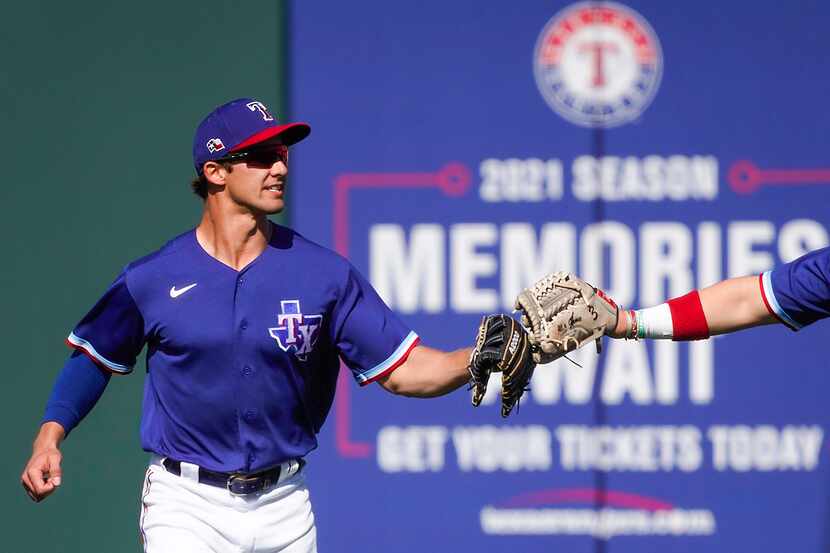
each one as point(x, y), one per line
point(562, 312)
point(42, 474)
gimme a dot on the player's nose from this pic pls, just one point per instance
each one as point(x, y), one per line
point(279, 168)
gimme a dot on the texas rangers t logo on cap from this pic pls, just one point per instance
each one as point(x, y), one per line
point(260, 107)
point(297, 332)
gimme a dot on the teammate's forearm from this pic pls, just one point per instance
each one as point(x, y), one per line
point(726, 306)
point(735, 304)
point(429, 372)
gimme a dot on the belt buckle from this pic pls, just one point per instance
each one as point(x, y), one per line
point(239, 484)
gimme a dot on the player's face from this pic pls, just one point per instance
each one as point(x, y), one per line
point(257, 182)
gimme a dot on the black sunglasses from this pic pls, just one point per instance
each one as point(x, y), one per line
point(259, 156)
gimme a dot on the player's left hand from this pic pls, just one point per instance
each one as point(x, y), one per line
point(502, 345)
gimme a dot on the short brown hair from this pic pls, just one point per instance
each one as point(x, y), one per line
point(199, 185)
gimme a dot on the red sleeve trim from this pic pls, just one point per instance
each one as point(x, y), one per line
point(768, 306)
point(764, 297)
point(93, 358)
point(688, 318)
point(395, 365)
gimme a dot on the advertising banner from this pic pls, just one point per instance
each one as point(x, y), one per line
point(461, 150)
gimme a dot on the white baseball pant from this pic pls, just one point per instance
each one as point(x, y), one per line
point(178, 514)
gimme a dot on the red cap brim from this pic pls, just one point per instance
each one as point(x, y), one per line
point(290, 134)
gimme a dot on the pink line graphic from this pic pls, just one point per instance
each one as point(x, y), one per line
point(746, 178)
point(591, 496)
point(453, 179)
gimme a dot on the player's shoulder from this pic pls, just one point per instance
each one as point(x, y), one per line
point(141, 273)
point(308, 250)
point(176, 245)
point(314, 264)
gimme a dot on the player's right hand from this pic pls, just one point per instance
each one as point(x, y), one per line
point(42, 474)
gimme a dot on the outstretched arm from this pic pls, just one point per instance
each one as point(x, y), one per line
point(563, 312)
point(429, 372)
point(735, 304)
point(727, 306)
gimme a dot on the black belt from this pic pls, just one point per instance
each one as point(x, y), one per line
point(234, 482)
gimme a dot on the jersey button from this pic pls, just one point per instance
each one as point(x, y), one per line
point(243, 325)
point(247, 371)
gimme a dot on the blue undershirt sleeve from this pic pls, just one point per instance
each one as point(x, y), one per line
point(76, 391)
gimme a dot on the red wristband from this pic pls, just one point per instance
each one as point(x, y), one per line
point(688, 318)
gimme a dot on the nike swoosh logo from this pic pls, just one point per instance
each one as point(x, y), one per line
point(176, 293)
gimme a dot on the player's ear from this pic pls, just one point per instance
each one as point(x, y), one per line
point(215, 173)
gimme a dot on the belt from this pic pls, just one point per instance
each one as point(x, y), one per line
point(235, 482)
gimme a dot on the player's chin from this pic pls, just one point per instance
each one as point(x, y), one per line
point(272, 202)
point(272, 207)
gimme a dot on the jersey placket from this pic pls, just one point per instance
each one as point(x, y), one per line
point(245, 368)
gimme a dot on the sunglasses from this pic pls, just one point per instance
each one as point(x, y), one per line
point(259, 156)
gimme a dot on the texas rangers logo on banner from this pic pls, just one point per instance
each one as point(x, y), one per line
point(598, 64)
point(296, 332)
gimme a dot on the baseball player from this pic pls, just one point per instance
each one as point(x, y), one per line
point(245, 323)
point(563, 312)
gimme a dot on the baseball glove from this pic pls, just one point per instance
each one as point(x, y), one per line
point(502, 345)
point(562, 312)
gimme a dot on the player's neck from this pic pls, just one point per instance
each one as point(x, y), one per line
point(233, 240)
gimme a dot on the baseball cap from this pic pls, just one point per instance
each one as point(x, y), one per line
point(238, 125)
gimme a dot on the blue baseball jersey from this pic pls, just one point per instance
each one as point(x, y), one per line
point(241, 365)
point(798, 293)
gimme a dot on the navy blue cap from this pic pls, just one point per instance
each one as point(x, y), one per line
point(238, 125)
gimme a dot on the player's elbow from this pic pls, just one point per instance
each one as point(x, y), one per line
point(408, 381)
point(399, 384)
point(427, 372)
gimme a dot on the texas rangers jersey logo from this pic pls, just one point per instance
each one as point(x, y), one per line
point(296, 332)
point(598, 65)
